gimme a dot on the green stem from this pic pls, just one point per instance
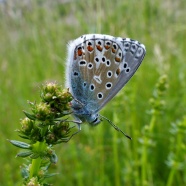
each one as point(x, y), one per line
point(152, 122)
point(35, 167)
point(145, 146)
point(171, 176)
point(144, 161)
point(38, 147)
point(174, 168)
point(115, 153)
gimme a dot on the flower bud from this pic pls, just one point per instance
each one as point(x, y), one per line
point(26, 125)
point(42, 111)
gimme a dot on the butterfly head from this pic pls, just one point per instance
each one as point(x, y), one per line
point(84, 114)
point(93, 119)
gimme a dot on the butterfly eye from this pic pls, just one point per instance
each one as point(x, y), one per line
point(96, 120)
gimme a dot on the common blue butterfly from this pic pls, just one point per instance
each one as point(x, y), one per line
point(98, 66)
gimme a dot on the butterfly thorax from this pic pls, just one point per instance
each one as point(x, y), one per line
point(83, 113)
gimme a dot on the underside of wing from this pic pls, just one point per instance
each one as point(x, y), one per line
point(100, 65)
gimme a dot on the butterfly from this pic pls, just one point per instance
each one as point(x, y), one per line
point(98, 67)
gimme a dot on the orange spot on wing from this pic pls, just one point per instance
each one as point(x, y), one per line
point(117, 59)
point(99, 48)
point(79, 52)
point(113, 50)
point(107, 47)
point(118, 71)
point(90, 48)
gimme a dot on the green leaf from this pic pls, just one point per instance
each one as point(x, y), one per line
point(23, 136)
point(50, 175)
point(24, 173)
point(53, 158)
point(46, 184)
point(24, 154)
point(35, 155)
point(30, 116)
point(20, 144)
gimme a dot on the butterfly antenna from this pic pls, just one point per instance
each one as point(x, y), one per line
point(115, 127)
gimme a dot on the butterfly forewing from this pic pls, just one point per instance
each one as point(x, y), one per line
point(100, 66)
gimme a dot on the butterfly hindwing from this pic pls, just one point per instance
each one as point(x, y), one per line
point(132, 55)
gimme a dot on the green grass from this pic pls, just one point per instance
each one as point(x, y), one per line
point(33, 39)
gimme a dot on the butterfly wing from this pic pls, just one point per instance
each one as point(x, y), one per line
point(132, 54)
point(99, 66)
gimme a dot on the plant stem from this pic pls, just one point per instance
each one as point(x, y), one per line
point(35, 167)
point(115, 153)
point(145, 148)
point(152, 122)
point(39, 147)
point(171, 176)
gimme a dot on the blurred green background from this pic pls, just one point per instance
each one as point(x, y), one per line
point(33, 41)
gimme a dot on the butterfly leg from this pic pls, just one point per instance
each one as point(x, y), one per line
point(79, 122)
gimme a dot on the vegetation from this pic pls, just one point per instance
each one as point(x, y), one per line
point(150, 109)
